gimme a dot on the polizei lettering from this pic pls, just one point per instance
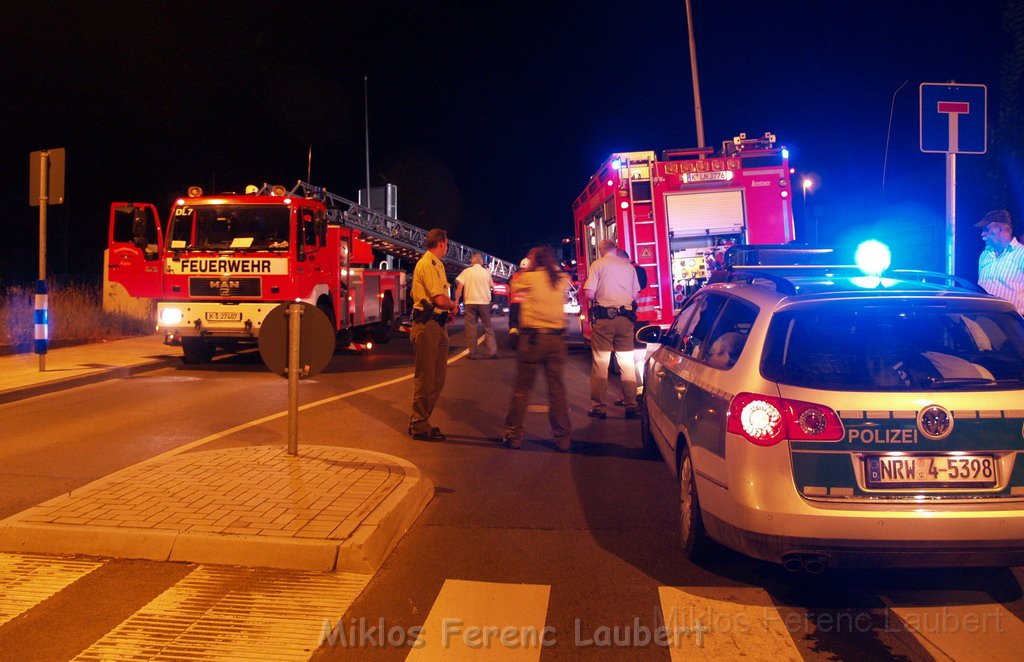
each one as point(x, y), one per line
point(225, 266)
point(876, 436)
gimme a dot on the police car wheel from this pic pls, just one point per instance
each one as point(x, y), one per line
point(647, 442)
point(694, 537)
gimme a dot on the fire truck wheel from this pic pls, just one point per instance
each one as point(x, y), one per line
point(196, 351)
point(382, 332)
point(344, 339)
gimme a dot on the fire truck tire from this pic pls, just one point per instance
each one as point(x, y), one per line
point(196, 351)
point(328, 310)
point(344, 339)
point(382, 332)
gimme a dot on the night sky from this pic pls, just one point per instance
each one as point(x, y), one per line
point(489, 116)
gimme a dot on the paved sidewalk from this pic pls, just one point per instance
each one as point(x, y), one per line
point(328, 508)
point(67, 367)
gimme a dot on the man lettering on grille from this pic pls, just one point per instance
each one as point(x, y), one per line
point(1001, 264)
point(431, 311)
point(611, 288)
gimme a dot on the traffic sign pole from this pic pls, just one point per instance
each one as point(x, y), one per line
point(41, 302)
point(951, 212)
point(954, 120)
point(294, 328)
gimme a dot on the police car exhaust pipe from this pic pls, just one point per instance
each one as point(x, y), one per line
point(812, 564)
point(793, 562)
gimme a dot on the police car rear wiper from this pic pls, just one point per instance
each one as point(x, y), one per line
point(939, 382)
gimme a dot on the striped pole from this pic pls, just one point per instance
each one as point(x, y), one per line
point(41, 308)
point(41, 315)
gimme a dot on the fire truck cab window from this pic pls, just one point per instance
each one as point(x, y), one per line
point(308, 229)
point(124, 225)
point(231, 227)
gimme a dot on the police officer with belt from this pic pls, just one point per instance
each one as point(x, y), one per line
point(431, 312)
point(611, 288)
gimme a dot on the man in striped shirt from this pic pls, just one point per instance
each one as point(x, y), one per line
point(1001, 265)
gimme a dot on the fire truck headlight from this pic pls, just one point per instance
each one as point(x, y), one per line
point(171, 316)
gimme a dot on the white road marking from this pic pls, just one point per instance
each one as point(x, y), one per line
point(485, 621)
point(219, 612)
point(250, 424)
point(27, 579)
point(957, 625)
point(724, 623)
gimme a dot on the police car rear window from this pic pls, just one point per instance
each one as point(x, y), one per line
point(893, 348)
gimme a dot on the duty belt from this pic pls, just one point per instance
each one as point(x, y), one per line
point(424, 315)
point(611, 312)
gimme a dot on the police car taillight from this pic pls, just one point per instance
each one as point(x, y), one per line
point(765, 420)
point(757, 418)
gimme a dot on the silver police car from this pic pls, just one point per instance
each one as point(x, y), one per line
point(818, 417)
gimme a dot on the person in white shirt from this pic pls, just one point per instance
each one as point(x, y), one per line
point(1001, 263)
point(611, 288)
point(476, 284)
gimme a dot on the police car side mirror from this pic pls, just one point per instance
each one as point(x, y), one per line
point(649, 334)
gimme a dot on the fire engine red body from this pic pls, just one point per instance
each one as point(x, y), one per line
point(220, 264)
point(674, 215)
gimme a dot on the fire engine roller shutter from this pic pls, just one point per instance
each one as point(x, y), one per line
point(707, 212)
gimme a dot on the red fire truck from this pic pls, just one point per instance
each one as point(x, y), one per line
point(676, 215)
point(221, 263)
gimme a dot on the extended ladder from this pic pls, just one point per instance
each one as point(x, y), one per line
point(393, 236)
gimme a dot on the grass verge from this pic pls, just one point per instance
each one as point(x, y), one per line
point(76, 316)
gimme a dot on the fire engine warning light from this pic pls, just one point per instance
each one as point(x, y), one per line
point(194, 191)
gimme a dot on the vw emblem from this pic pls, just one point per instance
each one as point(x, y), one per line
point(935, 422)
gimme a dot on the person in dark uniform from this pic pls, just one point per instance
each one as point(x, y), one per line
point(432, 308)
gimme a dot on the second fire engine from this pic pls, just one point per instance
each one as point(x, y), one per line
point(676, 215)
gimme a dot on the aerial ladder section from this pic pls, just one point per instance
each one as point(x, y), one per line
point(393, 236)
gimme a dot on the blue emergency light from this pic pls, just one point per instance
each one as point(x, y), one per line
point(872, 257)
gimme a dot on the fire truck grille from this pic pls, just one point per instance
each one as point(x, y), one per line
point(208, 286)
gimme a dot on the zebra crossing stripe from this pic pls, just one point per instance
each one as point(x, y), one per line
point(219, 612)
point(957, 625)
point(26, 580)
point(724, 623)
point(485, 621)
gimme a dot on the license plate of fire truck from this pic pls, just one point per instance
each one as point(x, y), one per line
point(218, 316)
point(930, 471)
